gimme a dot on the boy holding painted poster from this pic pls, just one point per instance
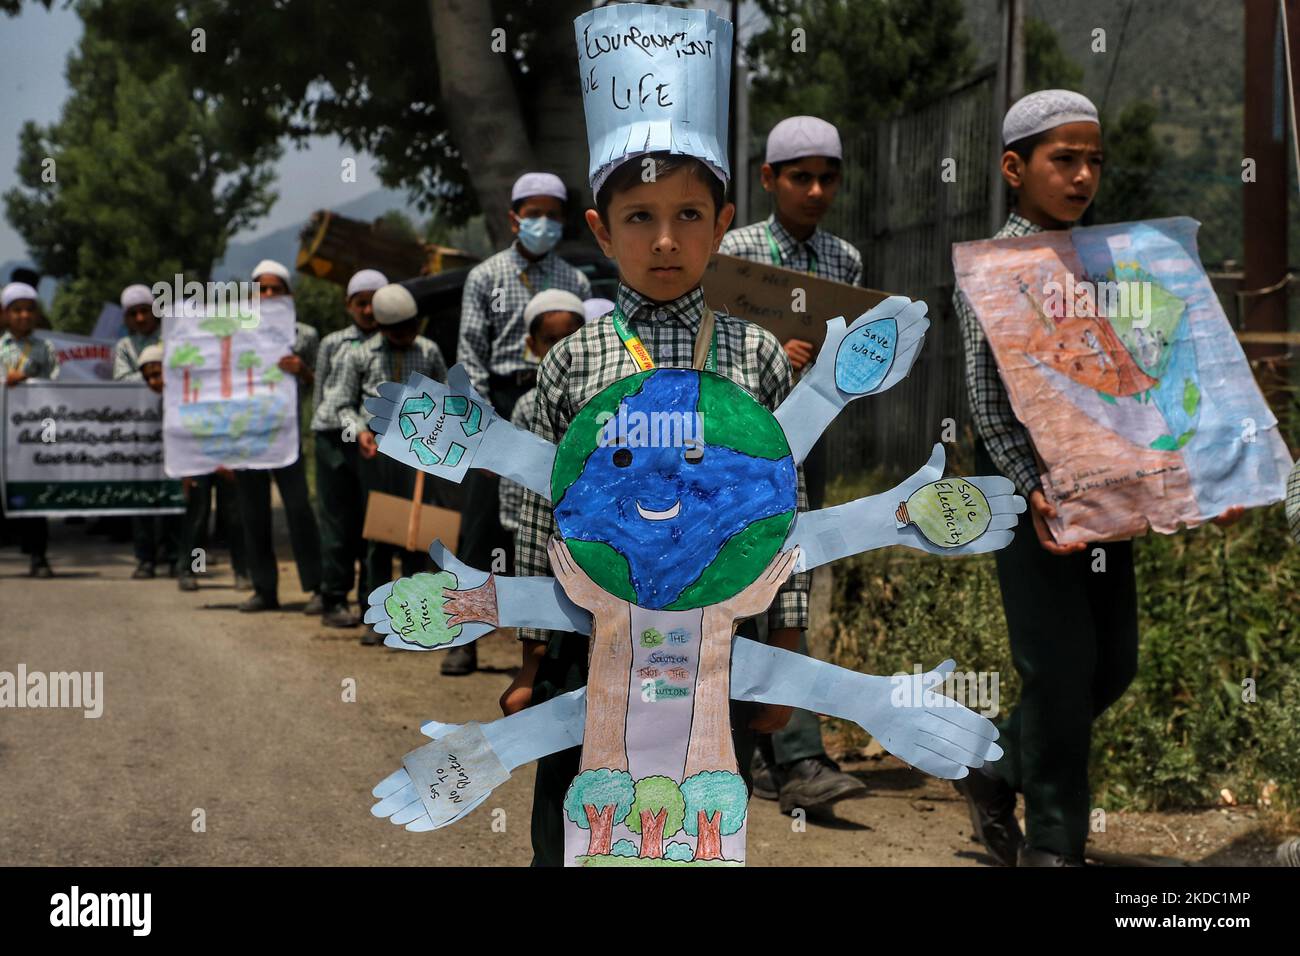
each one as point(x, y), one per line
point(1071, 609)
point(660, 213)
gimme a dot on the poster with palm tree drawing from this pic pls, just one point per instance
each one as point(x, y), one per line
point(225, 400)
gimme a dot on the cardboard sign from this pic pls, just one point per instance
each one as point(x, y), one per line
point(388, 516)
point(765, 295)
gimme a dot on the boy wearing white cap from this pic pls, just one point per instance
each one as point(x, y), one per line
point(1073, 631)
point(341, 501)
point(491, 347)
point(801, 172)
point(659, 175)
point(24, 356)
point(390, 356)
point(142, 331)
point(254, 485)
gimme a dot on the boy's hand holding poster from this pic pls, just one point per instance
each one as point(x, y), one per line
point(1119, 360)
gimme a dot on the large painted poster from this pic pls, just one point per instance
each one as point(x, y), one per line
point(227, 401)
point(1119, 360)
point(83, 448)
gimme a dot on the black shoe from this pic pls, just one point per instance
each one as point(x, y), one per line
point(764, 775)
point(259, 603)
point(171, 569)
point(992, 806)
point(1031, 856)
point(339, 616)
point(814, 783)
point(460, 661)
point(243, 582)
point(371, 638)
point(143, 571)
point(315, 605)
point(187, 582)
point(40, 569)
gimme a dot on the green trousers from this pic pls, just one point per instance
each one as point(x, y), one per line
point(341, 512)
point(255, 515)
point(1074, 638)
point(564, 668)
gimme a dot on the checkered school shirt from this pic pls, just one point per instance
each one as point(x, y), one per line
point(592, 358)
point(328, 400)
point(511, 494)
point(492, 326)
point(34, 357)
point(836, 259)
point(1006, 439)
point(374, 362)
point(126, 356)
point(1293, 502)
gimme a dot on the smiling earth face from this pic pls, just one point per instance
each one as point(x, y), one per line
point(674, 489)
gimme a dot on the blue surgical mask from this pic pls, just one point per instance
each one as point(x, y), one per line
point(539, 234)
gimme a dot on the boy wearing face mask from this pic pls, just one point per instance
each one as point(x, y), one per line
point(491, 347)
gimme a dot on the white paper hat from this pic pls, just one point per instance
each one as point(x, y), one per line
point(654, 79)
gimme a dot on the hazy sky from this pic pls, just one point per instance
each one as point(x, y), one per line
point(34, 47)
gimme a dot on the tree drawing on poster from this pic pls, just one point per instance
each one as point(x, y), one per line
point(209, 421)
point(674, 493)
point(1120, 362)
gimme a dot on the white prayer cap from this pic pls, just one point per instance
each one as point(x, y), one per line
point(798, 136)
point(269, 267)
point(538, 184)
point(151, 353)
point(134, 295)
point(15, 291)
point(595, 308)
point(1044, 110)
point(552, 300)
point(367, 280)
point(393, 304)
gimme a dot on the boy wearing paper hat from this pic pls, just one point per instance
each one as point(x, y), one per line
point(24, 356)
point(491, 347)
point(658, 170)
point(391, 355)
point(142, 331)
point(339, 494)
point(1073, 632)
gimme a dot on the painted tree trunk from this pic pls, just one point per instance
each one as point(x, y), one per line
point(652, 834)
point(250, 383)
point(185, 396)
point(601, 824)
point(710, 746)
point(609, 670)
point(226, 388)
point(708, 843)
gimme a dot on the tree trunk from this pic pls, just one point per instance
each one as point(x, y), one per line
point(609, 670)
point(652, 834)
point(708, 840)
point(483, 114)
point(710, 746)
point(185, 396)
point(602, 829)
point(250, 382)
point(226, 342)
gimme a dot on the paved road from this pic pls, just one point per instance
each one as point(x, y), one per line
point(243, 716)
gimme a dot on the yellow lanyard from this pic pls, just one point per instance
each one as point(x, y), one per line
point(641, 355)
point(22, 357)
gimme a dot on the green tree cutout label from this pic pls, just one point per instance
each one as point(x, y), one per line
point(950, 513)
point(422, 608)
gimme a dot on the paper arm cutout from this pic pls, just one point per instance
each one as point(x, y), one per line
point(927, 730)
point(460, 604)
point(445, 430)
point(949, 517)
point(869, 356)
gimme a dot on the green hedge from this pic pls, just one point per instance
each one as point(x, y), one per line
point(1216, 607)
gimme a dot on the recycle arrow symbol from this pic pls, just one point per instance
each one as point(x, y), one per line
point(455, 405)
point(421, 406)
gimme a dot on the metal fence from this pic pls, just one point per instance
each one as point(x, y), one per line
point(895, 207)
